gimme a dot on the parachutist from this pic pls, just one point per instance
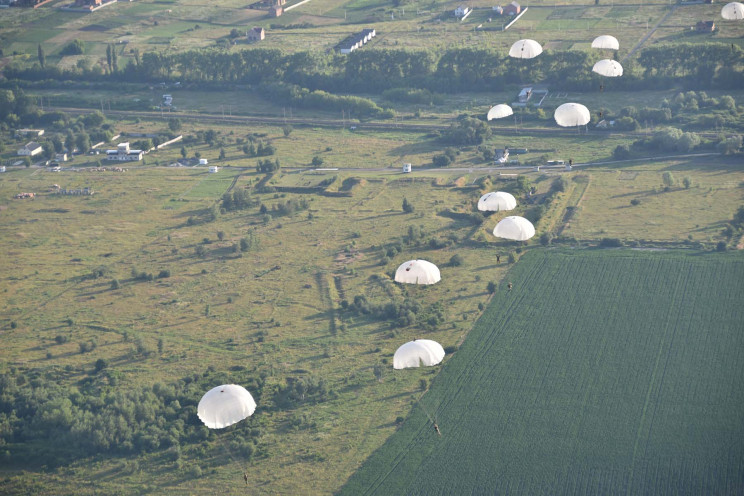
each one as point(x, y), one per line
point(509, 286)
point(498, 258)
point(601, 87)
point(436, 428)
point(245, 478)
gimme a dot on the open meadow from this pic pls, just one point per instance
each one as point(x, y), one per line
point(601, 372)
point(255, 238)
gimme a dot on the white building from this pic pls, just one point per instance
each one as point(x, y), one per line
point(30, 149)
point(406, 167)
point(2, 168)
point(203, 161)
point(462, 11)
point(124, 154)
point(213, 169)
point(60, 157)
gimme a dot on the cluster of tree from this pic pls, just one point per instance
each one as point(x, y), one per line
point(239, 199)
point(297, 391)
point(444, 159)
point(267, 166)
point(319, 99)
point(95, 417)
point(258, 149)
point(405, 313)
point(468, 131)
point(670, 139)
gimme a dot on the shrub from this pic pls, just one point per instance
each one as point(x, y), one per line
point(610, 243)
point(635, 201)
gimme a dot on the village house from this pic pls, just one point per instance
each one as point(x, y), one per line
point(124, 154)
point(512, 9)
point(462, 11)
point(60, 157)
point(705, 27)
point(256, 34)
point(356, 40)
point(275, 11)
point(30, 149)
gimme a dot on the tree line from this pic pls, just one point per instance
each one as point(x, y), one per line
point(694, 66)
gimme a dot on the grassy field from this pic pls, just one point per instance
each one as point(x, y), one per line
point(153, 25)
point(612, 372)
point(286, 322)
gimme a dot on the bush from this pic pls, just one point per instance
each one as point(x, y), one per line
point(456, 260)
point(635, 201)
point(721, 246)
point(610, 243)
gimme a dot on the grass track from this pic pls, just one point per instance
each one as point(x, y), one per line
point(600, 373)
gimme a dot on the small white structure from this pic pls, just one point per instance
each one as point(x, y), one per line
point(733, 11)
point(572, 114)
point(608, 68)
point(606, 42)
point(417, 353)
point(418, 272)
point(496, 201)
point(124, 154)
point(213, 169)
point(462, 11)
point(514, 227)
point(2, 168)
point(406, 168)
point(499, 112)
point(30, 149)
point(203, 161)
point(60, 157)
point(167, 100)
point(225, 405)
point(525, 49)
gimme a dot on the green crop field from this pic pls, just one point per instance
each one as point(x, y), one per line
point(601, 372)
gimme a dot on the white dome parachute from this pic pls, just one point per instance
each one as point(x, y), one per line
point(525, 49)
point(225, 405)
point(572, 114)
point(606, 42)
point(496, 201)
point(733, 11)
point(418, 352)
point(516, 228)
point(608, 67)
point(499, 111)
point(417, 272)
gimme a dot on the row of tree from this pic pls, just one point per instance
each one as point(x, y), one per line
point(700, 66)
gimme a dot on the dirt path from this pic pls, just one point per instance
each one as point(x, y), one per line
point(650, 33)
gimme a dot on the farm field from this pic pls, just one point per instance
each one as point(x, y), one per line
point(607, 371)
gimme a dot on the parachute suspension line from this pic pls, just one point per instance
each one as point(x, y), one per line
point(228, 451)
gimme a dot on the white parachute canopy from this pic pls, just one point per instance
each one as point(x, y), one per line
point(417, 272)
point(608, 67)
point(606, 42)
point(516, 228)
point(733, 11)
point(225, 405)
point(572, 114)
point(499, 111)
point(497, 201)
point(525, 49)
point(418, 352)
